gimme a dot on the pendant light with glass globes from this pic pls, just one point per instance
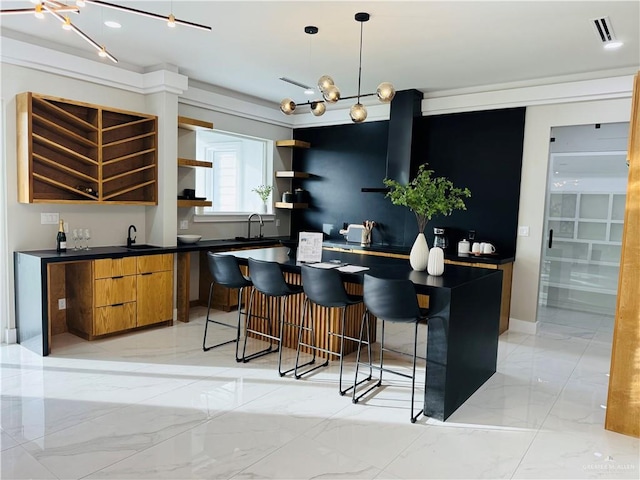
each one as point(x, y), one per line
point(331, 93)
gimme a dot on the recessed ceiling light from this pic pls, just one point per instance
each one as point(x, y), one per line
point(112, 24)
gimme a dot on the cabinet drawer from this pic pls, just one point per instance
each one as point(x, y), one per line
point(155, 263)
point(114, 318)
point(114, 267)
point(109, 291)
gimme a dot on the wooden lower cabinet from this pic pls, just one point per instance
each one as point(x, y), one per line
point(114, 295)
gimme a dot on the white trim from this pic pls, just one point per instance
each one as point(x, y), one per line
point(522, 326)
point(568, 92)
point(221, 217)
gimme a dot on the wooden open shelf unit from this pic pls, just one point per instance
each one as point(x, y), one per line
point(292, 143)
point(194, 203)
point(194, 124)
point(187, 162)
point(73, 152)
point(291, 206)
point(291, 174)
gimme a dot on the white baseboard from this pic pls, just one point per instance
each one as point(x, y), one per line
point(523, 326)
point(11, 336)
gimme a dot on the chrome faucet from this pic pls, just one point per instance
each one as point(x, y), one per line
point(249, 224)
point(131, 241)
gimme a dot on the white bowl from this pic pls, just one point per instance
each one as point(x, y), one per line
point(189, 238)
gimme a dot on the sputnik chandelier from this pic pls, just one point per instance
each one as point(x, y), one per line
point(331, 93)
point(60, 11)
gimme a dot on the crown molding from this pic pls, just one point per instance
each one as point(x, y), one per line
point(24, 54)
point(503, 96)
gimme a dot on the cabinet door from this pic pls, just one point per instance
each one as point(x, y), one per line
point(114, 318)
point(155, 263)
point(155, 298)
point(114, 267)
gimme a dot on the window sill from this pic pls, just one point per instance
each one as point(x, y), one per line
point(232, 217)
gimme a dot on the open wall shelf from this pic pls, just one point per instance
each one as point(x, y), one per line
point(73, 152)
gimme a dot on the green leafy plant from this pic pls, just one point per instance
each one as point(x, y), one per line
point(263, 192)
point(427, 196)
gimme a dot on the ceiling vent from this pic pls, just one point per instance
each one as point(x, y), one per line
point(605, 31)
point(297, 84)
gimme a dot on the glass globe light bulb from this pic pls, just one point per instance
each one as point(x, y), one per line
point(287, 106)
point(386, 92)
point(358, 113)
point(324, 82)
point(331, 94)
point(318, 108)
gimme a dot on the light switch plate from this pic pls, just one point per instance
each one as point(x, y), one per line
point(523, 231)
point(62, 304)
point(49, 218)
point(184, 224)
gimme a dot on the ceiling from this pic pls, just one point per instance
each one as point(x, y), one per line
point(433, 46)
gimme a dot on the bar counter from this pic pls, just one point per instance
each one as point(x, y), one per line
point(464, 304)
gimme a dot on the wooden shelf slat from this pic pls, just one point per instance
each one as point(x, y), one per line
point(69, 170)
point(46, 103)
point(292, 143)
point(63, 149)
point(65, 132)
point(127, 173)
point(128, 139)
point(194, 124)
point(63, 186)
point(127, 124)
point(187, 162)
point(291, 174)
point(126, 157)
point(194, 203)
point(128, 189)
point(291, 206)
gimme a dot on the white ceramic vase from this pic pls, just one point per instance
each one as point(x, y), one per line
point(435, 266)
point(419, 256)
point(263, 208)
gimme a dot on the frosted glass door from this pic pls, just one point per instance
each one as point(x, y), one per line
point(583, 223)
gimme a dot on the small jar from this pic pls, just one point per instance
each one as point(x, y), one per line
point(287, 197)
point(301, 196)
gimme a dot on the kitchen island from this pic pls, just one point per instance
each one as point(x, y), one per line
point(464, 305)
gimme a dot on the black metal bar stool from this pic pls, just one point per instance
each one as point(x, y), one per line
point(390, 301)
point(225, 271)
point(268, 279)
point(324, 287)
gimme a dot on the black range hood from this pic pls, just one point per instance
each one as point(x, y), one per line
point(405, 106)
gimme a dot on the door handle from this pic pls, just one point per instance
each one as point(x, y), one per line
point(550, 237)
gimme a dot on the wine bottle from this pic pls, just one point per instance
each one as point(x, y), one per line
point(61, 239)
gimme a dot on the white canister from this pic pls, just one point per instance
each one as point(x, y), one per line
point(464, 246)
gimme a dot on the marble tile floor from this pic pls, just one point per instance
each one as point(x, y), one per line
point(153, 405)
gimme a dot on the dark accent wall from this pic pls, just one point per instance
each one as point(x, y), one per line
point(478, 150)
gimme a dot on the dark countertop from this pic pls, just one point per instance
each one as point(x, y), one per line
point(387, 267)
point(95, 253)
point(493, 259)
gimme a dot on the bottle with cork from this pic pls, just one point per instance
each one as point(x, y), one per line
point(61, 239)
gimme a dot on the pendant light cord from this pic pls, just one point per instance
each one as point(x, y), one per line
point(360, 62)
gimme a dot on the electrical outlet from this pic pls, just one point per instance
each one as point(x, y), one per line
point(49, 218)
point(523, 231)
point(184, 224)
point(62, 304)
point(277, 222)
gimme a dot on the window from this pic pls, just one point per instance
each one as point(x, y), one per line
point(240, 164)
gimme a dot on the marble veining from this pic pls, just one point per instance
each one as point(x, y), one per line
point(152, 405)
